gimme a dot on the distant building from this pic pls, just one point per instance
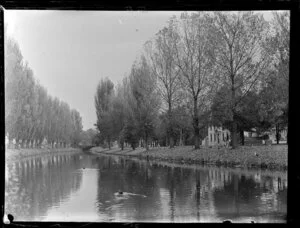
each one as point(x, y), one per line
point(219, 136)
point(251, 134)
point(283, 135)
point(216, 136)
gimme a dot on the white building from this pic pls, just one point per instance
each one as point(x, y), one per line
point(251, 133)
point(283, 135)
point(216, 136)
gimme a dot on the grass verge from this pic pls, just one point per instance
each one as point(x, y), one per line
point(264, 157)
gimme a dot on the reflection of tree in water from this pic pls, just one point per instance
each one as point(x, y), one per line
point(130, 177)
point(273, 196)
point(189, 193)
point(178, 180)
point(243, 197)
point(180, 193)
point(36, 184)
point(148, 179)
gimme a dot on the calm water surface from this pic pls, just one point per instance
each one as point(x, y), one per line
point(81, 187)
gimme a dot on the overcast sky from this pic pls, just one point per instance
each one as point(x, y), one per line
point(70, 51)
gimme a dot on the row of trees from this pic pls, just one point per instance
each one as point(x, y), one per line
point(31, 114)
point(219, 68)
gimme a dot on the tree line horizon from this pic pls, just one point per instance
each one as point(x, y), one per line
point(219, 68)
point(31, 114)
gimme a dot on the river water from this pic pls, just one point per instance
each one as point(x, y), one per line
point(81, 187)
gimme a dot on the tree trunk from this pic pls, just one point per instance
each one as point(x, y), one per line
point(22, 143)
point(16, 144)
point(141, 143)
point(180, 139)
point(234, 123)
point(242, 137)
point(233, 134)
point(196, 125)
point(40, 143)
point(170, 127)
point(108, 140)
point(287, 130)
point(9, 143)
point(146, 141)
point(277, 133)
point(121, 142)
point(27, 143)
point(171, 141)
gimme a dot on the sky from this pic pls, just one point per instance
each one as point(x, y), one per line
point(71, 51)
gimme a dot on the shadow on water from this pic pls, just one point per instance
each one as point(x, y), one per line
point(149, 191)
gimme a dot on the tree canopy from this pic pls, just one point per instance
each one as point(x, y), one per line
point(227, 69)
point(31, 114)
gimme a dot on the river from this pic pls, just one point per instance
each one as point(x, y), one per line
point(82, 187)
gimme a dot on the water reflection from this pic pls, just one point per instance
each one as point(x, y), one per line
point(78, 187)
point(183, 194)
point(34, 185)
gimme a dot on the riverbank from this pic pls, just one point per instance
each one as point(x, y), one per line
point(16, 154)
point(237, 171)
point(263, 157)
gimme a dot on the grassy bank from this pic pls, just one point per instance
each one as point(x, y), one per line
point(268, 157)
point(15, 154)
